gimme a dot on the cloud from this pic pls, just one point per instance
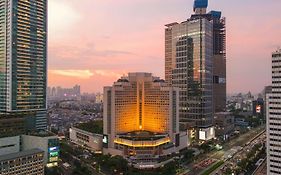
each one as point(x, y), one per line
point(63, 16)
point(108, 73)
point(84, 74)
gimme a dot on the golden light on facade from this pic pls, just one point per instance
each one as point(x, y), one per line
point(142, 107)
point(141, 144)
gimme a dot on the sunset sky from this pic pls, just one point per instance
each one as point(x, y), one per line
point(93, 42)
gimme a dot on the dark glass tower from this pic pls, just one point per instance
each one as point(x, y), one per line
point(23, 60)
point(195, 62)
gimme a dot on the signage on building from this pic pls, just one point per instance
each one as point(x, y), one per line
point(258, 109)
point(105, 141)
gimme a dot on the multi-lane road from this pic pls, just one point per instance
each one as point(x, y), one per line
point(241, 153)
point(229, 150)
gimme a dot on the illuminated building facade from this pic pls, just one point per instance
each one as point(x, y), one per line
point(274, 118)
point(23, 59)
point(141, 119)
point(195, 63)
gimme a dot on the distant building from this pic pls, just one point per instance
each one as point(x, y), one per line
point(258, 108)
point(141, 120)
point(273, 118)
point(267, 90)
point(99, 98)
point(195, 62)
point(22, 163)
point(241, 123)
point(59, 93)
point(224, 124)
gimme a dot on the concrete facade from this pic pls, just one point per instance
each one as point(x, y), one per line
point(86, 139)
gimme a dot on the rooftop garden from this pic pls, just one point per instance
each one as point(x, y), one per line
point(95, 126)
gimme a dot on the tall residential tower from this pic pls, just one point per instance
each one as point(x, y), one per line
point(273, 111)
point(195, 62)
point(23, 60)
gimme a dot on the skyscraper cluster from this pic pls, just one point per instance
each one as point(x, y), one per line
point(59, 93)
point(146, 118)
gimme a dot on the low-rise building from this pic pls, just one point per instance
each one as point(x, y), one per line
point(224, 124)
point(22, 163)
point(87, 139)
point(47, 142)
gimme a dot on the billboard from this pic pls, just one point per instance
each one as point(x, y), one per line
point(258, 109)
point(105, 141)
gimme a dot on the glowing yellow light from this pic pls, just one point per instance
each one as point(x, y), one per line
point(142, 143)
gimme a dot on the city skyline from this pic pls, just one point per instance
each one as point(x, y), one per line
point(101, 58)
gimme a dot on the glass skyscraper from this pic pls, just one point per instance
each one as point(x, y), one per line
point(195, 63)
point(23, 60)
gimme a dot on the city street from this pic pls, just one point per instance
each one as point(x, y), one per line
point(229, 149)
point(241, 154)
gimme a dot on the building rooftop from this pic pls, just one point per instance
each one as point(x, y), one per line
point(20, 154)
point(95, 126)
point(42, 134)
point(278, 51)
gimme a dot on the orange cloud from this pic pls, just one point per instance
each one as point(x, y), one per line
point(84, 74)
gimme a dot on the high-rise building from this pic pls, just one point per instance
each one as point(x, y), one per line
point(195, 61)
point(274, 118)
point(141, 119)
point(23, 59)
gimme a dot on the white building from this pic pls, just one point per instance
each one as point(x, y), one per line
point(9, 145)
point(45, 142)
point(86, 139)
point(274, 118)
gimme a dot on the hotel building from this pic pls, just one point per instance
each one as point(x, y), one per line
point(141, 120)
point(195, 62)
point(274, 118)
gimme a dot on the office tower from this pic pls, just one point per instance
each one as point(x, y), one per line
point(141, 119)
point(195, 62)
point(23, 60)
point(274, 118)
